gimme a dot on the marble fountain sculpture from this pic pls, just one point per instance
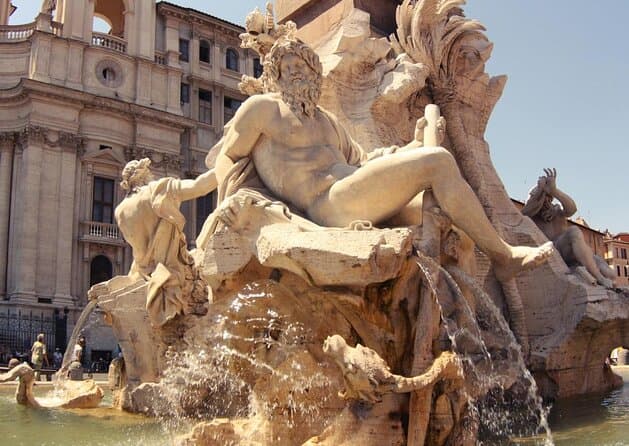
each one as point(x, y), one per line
point(365, 278)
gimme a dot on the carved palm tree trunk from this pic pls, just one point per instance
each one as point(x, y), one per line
point(470, 151)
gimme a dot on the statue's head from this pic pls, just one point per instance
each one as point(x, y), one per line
point(295, 70)
point(40, 337)
point(136, 173)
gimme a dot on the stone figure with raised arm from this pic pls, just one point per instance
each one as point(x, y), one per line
point(304, 157)
point(152, 224)
point(552, 219)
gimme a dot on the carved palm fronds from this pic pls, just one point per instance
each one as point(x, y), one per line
point(427, 31)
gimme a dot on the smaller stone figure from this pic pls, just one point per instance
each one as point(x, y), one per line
point(39, 355)
point(552, 219)
point(151, 222)
point(82, 395)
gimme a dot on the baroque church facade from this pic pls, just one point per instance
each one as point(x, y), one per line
point(76, 105)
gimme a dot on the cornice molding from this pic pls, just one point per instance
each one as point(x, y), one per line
point(51, 138)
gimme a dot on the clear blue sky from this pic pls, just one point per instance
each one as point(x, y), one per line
point(566, 103)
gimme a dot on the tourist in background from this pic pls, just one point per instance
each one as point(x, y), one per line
point(57, 358)
point(39, 355)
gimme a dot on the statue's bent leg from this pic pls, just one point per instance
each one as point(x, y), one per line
point(385, 185)
point(571, 244)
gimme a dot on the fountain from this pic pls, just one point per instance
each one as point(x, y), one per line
point(349, 288)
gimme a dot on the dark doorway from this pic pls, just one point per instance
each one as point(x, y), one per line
point(100, 270)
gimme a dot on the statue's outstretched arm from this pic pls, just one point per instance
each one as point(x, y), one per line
point(200, 186)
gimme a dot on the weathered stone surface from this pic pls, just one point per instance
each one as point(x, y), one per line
point(134, 332)
point(357, 259)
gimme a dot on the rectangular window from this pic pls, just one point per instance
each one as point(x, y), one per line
point(231, 105)
point(185, 93)
point(184, 50)
point(257, 67)
point(623, 253)
point(205, 106)
point(205, 206)
point(103, 200)
point(618, 270)
point(204, 51)
point(626, 268)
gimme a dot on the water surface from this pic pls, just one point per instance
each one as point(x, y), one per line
point(586, 421)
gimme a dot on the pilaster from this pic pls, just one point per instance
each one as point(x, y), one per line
point(5, 11)
point(217, 107)
point(7, 142)
point(195, 69)
point(66, 225)
point(27, 217)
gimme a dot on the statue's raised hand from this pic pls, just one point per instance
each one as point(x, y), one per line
point(550, 183)
point(421, 125)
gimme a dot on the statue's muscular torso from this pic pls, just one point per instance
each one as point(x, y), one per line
point(298, 157)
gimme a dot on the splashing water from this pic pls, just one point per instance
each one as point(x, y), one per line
point(487, 370)
point(78, 329)
point(248, 365)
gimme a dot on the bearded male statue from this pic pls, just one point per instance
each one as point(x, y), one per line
point(304, 157)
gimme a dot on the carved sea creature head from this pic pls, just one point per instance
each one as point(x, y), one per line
point(136, 173)
point(296, 72)
point(334, 345)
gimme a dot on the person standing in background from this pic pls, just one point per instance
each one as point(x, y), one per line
point(39, 355)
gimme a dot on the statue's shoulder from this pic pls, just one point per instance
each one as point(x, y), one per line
point(258, 110)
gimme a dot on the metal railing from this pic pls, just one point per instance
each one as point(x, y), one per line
point(109, 42)
point(13, 33)
point(98, 230)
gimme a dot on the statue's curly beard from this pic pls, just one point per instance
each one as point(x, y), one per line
point(301, 96)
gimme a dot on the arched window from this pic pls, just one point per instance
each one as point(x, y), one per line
point(231, 59)
point(204, 51)
point(100, 270)
point(111, 13)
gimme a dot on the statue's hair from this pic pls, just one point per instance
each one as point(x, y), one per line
point(129, 171)
point(285, 47)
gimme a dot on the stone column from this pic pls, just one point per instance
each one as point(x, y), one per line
point(7, 142)
point(193, 57)
point(194, 99)
point(217, 107)
point(172, 42)
point(174, 92)
point(26, 221)
point(218, 59)
point(65, 227)
point(5, 11)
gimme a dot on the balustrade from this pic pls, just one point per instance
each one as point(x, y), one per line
point(110, 42)
point(13, 33)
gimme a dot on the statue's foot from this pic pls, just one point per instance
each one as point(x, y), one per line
point(523, 258)
point(604, 281)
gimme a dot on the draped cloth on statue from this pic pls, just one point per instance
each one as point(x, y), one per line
point(166, 263)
